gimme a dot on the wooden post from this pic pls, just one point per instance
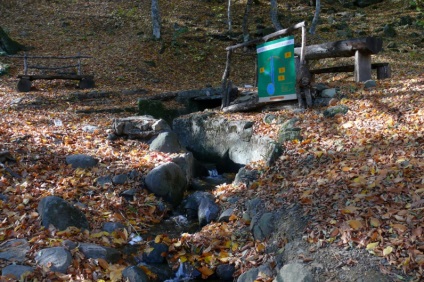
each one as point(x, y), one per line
point(362, 66)
point(383, 71)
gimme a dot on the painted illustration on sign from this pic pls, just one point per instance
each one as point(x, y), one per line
point(277, 73)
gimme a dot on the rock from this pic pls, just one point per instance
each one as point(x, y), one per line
point(163, 271)
point(406, 20)
point(161, 125)
point(186, 162)
point(14, 250)
point(246, 176)
point(104, 181)
point(321, 102)
point(96, 251)
point(331, 112)
point(166, 142)
point(81, 161)
point(134, 274)
point(225, 215)
point(120, 179)
point(289, 134)
point(263, 227)
point(329, 93)
point(168, 181)
point(90, 128)
point(156, 109)
point(389, 31)
point(320, 87)
point(137, 127)
point(225, 272)
point(69, 245)
point(17, 272)
point(208, 211)
point(155, 254)
point(370, 84)
point(252, 274)
point(254, 207)
point(269, 118)
point(112, 226)
point(57, 259)
point(128, 194)
point(366, 3)
point(112, 137)
point(228, 143)
point(61, 214)
point(294, 272)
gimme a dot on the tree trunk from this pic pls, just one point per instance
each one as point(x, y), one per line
point(274, 15)
point(156, 19)
point(245, 24)
point(7, 45)
point(229, 17)
point(316, 17)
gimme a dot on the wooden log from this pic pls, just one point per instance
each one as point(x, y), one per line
point(350, 68)
point(343, 48)
point(56, 76)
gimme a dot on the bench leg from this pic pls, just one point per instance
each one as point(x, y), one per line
point(86, 83)
point(362, 66)
point(383, 72)
point(24, 85)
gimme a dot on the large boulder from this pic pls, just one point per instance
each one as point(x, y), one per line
point(294, 272)
point(166, 142)
point(229, 143)
point(61, 214)
point(167, 181)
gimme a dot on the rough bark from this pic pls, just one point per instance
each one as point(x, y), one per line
point(316, 17)
point(245, 24)
point(7, 45)
point(274, 15)
point(156, 19)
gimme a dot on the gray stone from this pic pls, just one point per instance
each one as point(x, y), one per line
point(134, 274)
point(186, 162)
point(252, 274)
point(112, 226)
point(61, 214)
point(320, 87)
point(17, 272)
point(81, 161)
point(161, 125)
point(225, 272)
point(168, 181)
point(321, 102)
point(166, 142)
point(136, 127)
point(14, 250)
point(289, 134)
point(94, 251)
point(104, 180)
point(389, 30)
point(57, 259)
point(120, 179)
point(155, 254)
point(192, 202)
point(263, 227)
point(294, 272)
point(370, 84)
point(90, 128)
point(246, 176)
point(331, 112)
point(225, 215)
point(208, 211)
point(329, 93)
point(269, 118)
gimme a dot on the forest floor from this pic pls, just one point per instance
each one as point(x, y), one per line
point(364, 189)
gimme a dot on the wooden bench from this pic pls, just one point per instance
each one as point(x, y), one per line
point(360, 48)
point(51, 72)
point(383, 70)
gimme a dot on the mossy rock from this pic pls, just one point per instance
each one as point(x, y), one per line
point(331, 112)
point(156, 109)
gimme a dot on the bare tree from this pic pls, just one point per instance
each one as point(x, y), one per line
point(156, 19)
point(229, 16)
point(274, 15)
point(316, 17)
point(245, 24)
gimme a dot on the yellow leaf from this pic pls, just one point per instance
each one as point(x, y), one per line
point(346, 168)
point(158, 239)
point(206, 272)
point(375, 222)
point(387, 251)
point(234, 247)
point(183, 258)
point(260, 247)
point(355, 224)
point(116, 275)
point(371, 246)
point(318, 154)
